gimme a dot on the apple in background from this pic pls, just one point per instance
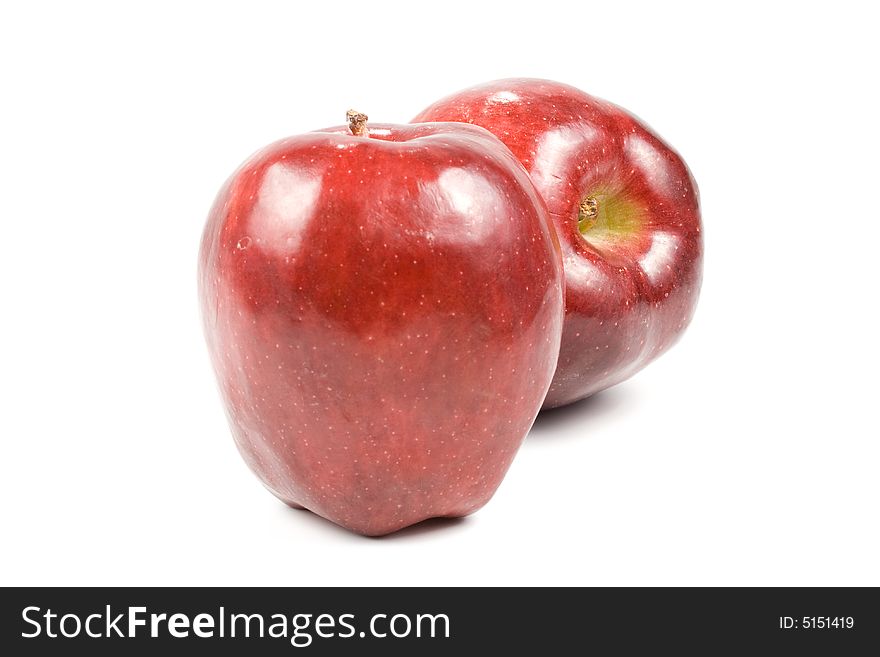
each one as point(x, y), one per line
point(627, 214)
point(383, 307)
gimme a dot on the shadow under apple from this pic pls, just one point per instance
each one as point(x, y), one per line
point(583, 414)
point(426, 527)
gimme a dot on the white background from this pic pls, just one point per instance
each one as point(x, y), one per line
point(747, 455)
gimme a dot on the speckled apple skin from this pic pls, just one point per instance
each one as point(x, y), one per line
point(383, 315)
point(628, 297)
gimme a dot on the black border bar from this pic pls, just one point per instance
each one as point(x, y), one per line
point(523, 621)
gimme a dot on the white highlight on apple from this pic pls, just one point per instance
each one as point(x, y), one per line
point(650, 163)
point(458, 188)
point(564, 142)
point(503, 97)
point(662, 250)
point(282, 212)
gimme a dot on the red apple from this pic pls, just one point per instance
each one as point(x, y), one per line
point(627, 213)
point(383, 309)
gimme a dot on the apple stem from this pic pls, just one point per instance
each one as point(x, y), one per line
point(588, 211)
point(357, 123)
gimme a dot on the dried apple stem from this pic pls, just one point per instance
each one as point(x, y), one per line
point(588, 213)
point(357, 123)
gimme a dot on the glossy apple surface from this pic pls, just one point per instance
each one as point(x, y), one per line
point(627, 213)
point(383, 312)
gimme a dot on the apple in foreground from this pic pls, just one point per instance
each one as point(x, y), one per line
point(383, 306)
point(627, 213)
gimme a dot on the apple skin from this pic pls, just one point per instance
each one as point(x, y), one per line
point(633, 277)
point(383, 314)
